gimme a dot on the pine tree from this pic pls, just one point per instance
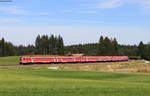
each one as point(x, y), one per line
point(141, 49)
point(38, 44)
point(115, 47)
point(51, 44)
point(60, 45)
point(0, 48)
point(101, 46)
point(3, 46)
point(147, 52)
point(44, 44)
point(107, 47)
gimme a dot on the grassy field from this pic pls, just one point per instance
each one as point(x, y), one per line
point(45, 82)
point(12, 60)
point(37, 80)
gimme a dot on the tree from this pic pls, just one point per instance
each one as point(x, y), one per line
point(52, 45)
point(115, 47)
point(108, 48)
point(44, 44)
point(38, 45)
point(101, 46)
point(60, 46)
point(146, 52)
point(30, 50)
point(9, 49)
point(3, 47)
point(49, 45)
point(141, 49)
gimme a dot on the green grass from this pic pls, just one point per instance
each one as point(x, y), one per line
point(12, 60)
point(44, 82)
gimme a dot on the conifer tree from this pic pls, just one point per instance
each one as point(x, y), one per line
point(60, 45)
point(101, 46)
point(141, 49)
point(38, 44)
point(115, 47)
point(3, 46)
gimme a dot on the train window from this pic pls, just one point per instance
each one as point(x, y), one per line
point(28, 58)
point(24, 58)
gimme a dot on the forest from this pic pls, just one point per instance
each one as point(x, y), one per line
point(54, 45)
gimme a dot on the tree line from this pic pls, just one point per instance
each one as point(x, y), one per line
point(110, 47)
point(49, 45)
point(54, 45)
point(44, 45)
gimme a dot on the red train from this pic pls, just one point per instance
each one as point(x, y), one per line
point(69, 59)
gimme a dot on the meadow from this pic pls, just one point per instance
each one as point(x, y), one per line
point(45, 82)
point(92, 79)
point(9, 61)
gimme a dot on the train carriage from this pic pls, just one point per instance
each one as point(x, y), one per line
point(69, 59)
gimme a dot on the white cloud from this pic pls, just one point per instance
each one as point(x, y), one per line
point(13, 10)
point(144, 4)
point(80, 11)
point(109, 4)
point(76, 21)
point(87, 12)
point(19, 11)
point(9, 20)
point(85, 21)
point(104, 4)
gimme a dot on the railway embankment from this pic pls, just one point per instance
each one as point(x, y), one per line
point(131, 66)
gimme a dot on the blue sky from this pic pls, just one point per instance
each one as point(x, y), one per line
point(78, 21)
